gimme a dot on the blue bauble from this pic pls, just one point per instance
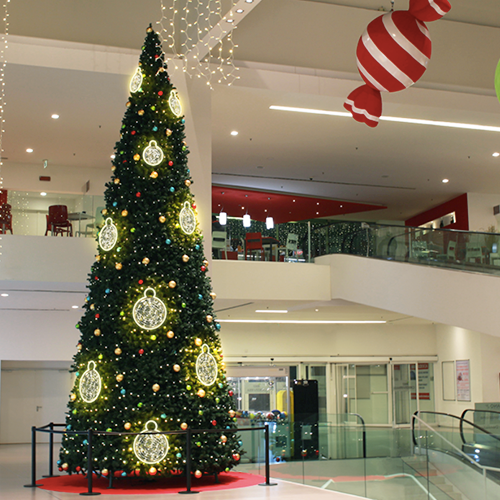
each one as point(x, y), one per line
point(168, 241)
point(123, 391)
point(172, 189)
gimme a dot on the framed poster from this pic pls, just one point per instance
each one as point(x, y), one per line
point(462, 373)
point(448, 370)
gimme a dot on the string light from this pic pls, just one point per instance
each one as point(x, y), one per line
point(3, 63)
point(199, 39)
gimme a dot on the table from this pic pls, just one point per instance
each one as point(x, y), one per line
point(271, 242)
point(79, 216)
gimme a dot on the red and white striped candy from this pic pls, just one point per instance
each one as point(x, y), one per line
point(392, 54)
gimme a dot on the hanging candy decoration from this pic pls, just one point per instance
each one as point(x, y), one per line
point(206, 366)
point(392, 54)
point(90, 384)
point(150, 448)
point(136, 82)
point(149, 312)
point(152, 154)
point(187, 219)
point(175, 103)
point(108, 235)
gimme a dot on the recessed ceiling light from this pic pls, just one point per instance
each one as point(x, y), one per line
point(43, 193)
point(239, 11)
point(234, 132)
point(29, 150)
point(467, 126)
point(5, 294)
point(278, 311)
point(230, 20)
point(74, 307)
point(495, 154)
point(249, 1)
point(113, 157)
point(445, 181)
point(55, 116)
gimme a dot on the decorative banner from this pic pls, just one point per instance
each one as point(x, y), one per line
point(392, 54)
point(149, 312)
point(136, 82)
point(90, 384)
point(152, 154)
point(175, 103)
point(150, 448)
point(108, 235)
point(463, 380)
point(187, 219)
point(206, 366)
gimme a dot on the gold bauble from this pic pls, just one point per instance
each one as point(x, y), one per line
point(140, 112)
point(113, 168)
point(184, 426)
point(73, 397)
point(118, 351)
point(105, 472)
point(168, 132)
point(118, 266)
point(97, 332)
point(201, 393)
point(127, 426)
point(170, 334)
point(185, 258)
point(177, 368)
point(156, 387)
point(213, 295)
point(205, 262)
point(98, 258)
point(198, 474)
point(198, 342)
point(145, 261)
point(172, 284)
point(92, 307)
point(187, 182)
point(149, 29)
point(137, 157)
point(162, 219)
point(209, 318)
point(104, 211)
point(117, 181)
point(232, 413)
point(128, 104)
point(153, 174)
point(119, 377)
point(124, 213)
point(236, 456)
point(152, 471)
point(79, 347)
point(223, 439)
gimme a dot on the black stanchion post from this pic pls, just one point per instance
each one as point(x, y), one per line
point(268, 465)
point(89, 492)
point(188, 465)
point(51, 451)
point(33, 460)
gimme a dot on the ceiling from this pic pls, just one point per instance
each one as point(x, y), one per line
point(291, 53)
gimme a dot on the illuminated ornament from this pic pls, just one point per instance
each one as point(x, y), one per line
point(187, 219)
point(149, 312)
point(223, 439)
point(177, 368)
point(153, 175)
point(209, 318)
point(184, 426)
point(108, 235)
point(187, 182)
point(127, 426)
point(392, 54)
point(124, 213)
point(119, 377)
point(118, 351)
point(185, 258)
point(162, 219)
point(118, 266)
point(136, 82)
point(206, 366)
point(156, 387)
point(90, 384)
point(152, 155)
point(175, 104)
point(213, 295)
point(198, 342)
point(170, 334)
point(73, 397)
point(198, 474)
point(145, 261)
point(117, 181)
point(137, 157)
point(150, 448)
point(172, 284)
point(201, 393)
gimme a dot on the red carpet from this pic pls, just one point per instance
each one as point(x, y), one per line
point(77, 483)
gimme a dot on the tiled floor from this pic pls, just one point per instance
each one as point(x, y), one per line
point(15, 471)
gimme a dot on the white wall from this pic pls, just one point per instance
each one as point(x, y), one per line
point(480, 208)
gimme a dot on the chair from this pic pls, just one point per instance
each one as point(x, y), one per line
point(219, 243)
point(5, 218)
point(474, 250)
point(291, 248)
point(253, 243)
point(90, 229)
point(57, 221)
point(419, 249)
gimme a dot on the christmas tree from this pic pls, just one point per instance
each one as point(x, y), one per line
point(149, 356)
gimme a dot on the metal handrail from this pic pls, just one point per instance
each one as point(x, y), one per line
point(462, 419)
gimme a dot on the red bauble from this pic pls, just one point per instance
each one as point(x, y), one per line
point(194, 206)
point(141, 282)
point(133, 132)
point(214, 422)
point(78, 468)
point(138, 195)
point(170, 163)
point(97, 316)
point(141, 351)
point(203, 268)
point(60, 469)
point(231, 393)
point(160, 92)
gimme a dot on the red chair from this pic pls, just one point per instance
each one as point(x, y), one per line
point(253, 242)
point(57, 221)
point(5, 218)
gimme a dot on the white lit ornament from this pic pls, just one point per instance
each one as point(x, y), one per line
point(175, 103)
point(149, 312)
point(187, 219)
point(152, 154)
point(150, 448)
point(108, 235)
point(136, 82)
point(90, 384)
point(206, 366)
